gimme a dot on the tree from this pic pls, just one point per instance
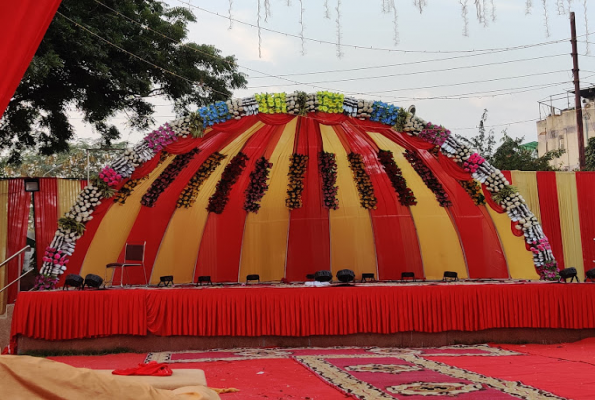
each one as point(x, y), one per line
point(69, 164)
point(590, 155)
point(76, 67)
point(511, 155)
point(484, 142)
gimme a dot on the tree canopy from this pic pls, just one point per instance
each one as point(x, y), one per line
point(107, 57)
point(590, 155)
point(484, 142)
point(512, 155)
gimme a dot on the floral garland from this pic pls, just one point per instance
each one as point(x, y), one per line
point(403, 117)
point(384, 113)
point(55, 258)
point(364, 109)
point(127, 189)
point(549, 271)
point(363, 182)
point(190, 193)
point(239, 108)
point(350, 106)
point(473, 163)
point(394, 173)
point(327, 163)
point(161, 137)
point(330, 102)
point(214, 113)
point(258, 185)
point(297, 171)
point(274, 103)
point(168, 175)
point(230, 176)
point(474, 191)
point(190, 125)
point(45, 282)
point(429, 179)
point(297, 103)
point(435, 134)
point(110, 176)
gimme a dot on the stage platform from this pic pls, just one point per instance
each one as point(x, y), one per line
point(154, 319)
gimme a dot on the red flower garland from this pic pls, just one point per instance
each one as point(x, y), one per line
point(258, 185)
point(168, 175)
point(365, 188)
point(327, 164)
point(394, 173)
point(231, 173)
point(429, 179)
point(127, 190)
point(190, 193)
point(297, 170)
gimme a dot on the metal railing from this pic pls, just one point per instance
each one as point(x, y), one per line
point(18, 253)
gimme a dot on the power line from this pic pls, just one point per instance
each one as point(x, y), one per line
point(321, 41)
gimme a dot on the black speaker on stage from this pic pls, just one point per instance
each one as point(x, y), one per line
point(407, 275)
point(167, 280)
point(450, 276)
point(590, 275)
point(206, 279)
point(73, 280)
point(253, 277)
point(568, 273)
point(323, 276)
point(346, 275)
point(368, 277)
point(93, 281)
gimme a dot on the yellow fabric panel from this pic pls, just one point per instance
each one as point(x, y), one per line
point(526, 182)
point(518, 258)
point(352, 237)
point(264, 246)
point(179, 249)
point(110, 238)
point(68, 191)
point(569, 221)
point(3, 239)
point(438, 239)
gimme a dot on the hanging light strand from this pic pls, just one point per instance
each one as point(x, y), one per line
point(259, 33)
point(302, 26)
point(338, 20)
point(465, 15)
point(546, 18)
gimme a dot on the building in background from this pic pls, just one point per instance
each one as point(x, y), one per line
point(558, 131)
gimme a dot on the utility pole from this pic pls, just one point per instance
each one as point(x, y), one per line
point(577, 96)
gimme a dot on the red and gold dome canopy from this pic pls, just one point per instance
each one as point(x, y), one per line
point(286, 185)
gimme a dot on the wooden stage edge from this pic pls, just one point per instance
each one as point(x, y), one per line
point(153, 343)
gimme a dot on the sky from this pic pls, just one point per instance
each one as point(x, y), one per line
point(506, 65)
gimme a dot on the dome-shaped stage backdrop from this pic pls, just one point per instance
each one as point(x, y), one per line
point(283, 185)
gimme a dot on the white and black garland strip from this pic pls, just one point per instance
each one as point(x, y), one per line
point(72, 225)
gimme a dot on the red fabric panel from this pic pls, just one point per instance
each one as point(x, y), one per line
point(387, 131)
point(275, 119)
point(84, 183)
point(395, 237)
point(328, 118)
point(300, 311)
point(585, 187)
point(550, 211)
point(146, 168)
point(452, 168)
point(514, 230)
point(493, 205)
point(151, 222)
point(508, 176)
point(221, 244)
point(23, 24)
point(183, 146)
point(308, 248)
point(17, 221)
point(46, 215)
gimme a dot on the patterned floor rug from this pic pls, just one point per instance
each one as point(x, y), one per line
point(386, 373)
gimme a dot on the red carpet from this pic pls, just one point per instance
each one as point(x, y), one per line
point(583, 350)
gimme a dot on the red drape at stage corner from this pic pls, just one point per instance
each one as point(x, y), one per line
point(45, 203)
point(221, 244)
point(550, 212)
point(308, 247)
point(24, 23)
point(585, 186)
point(452, 168)
point(488, 196)
point(151, 222)
point(17, 221)
point(395, 236)
point(508, 176)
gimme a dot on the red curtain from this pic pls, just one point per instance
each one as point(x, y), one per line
point(508, 176)
point(550, 211)
point(275, 119)
point(18, 218)
point(452, 168)
point(395, 237)
point(24, 23)
point(585, 185)
point(308, 248)
point(46, 215)
point(221, 244)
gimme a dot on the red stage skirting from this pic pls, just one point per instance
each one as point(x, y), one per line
point(286, 311)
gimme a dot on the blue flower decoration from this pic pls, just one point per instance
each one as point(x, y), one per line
point(214, 113)
point(384, 113)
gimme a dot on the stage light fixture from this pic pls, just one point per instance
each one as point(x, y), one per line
point(346, 275)
point(253, 277)
point(407, 275)
point(450, 276)
point(206, 279)
point(31, 185)
point(167, 280)
point(568, 273)
point(73, 280)
point(368, 277)
point(323, 276)
point(93, 281)
point(590, 275)
point(310, 277)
